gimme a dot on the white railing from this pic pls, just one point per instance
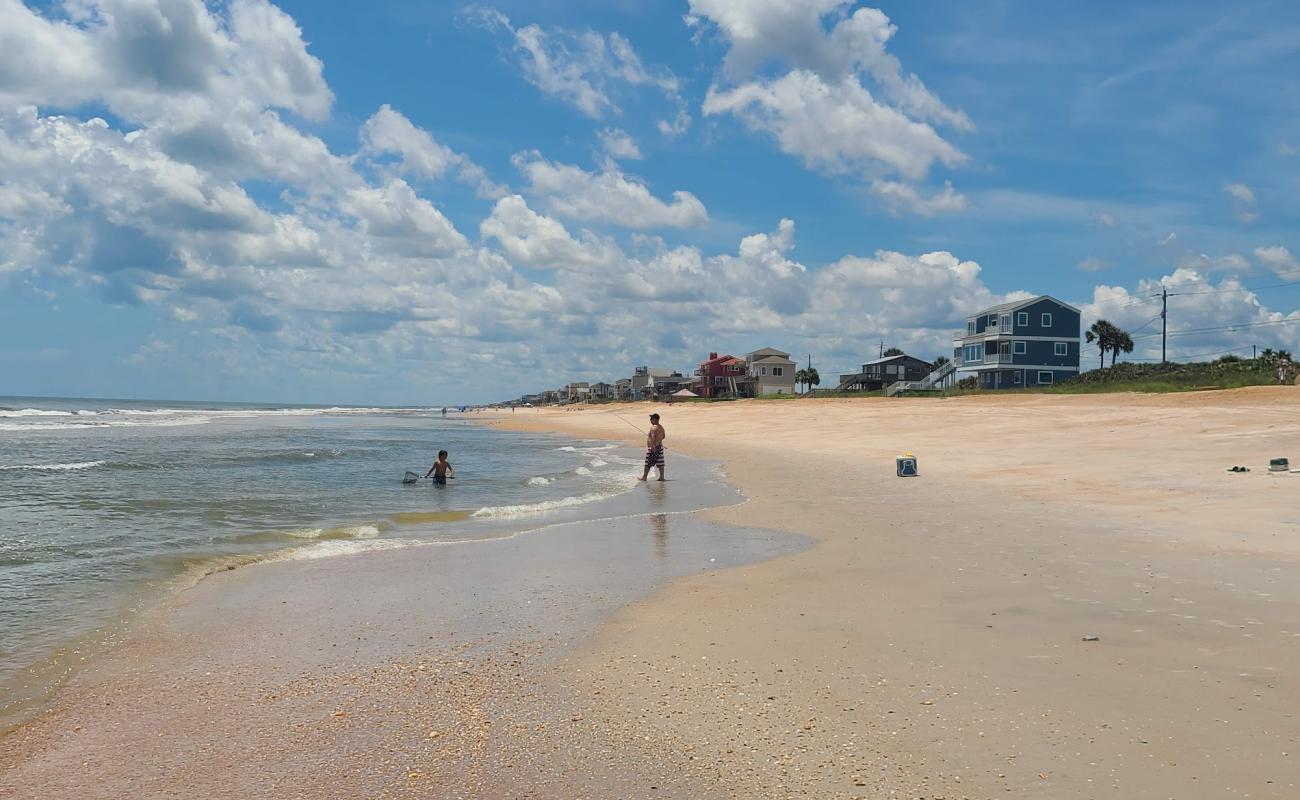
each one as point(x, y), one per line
point(925, 384)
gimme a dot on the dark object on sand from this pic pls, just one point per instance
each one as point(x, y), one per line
point(1278, 465)
point(1092, 637)
point(1238, 469)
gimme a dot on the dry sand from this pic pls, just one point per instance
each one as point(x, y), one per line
point(930, 645)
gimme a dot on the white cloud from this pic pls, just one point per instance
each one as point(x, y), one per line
point(1280, 260)
point(533, 240)
point(585, 69)
point(1243, 201)
point(607, 196)
point(149, 60)
point(1091, 264)
point(838, 128)
point(617, 144)
point(1206, 319)
point(820, 108)
point(905, 197)
point(389, 132)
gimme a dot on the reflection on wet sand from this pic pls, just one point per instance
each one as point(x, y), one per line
point(659, 527)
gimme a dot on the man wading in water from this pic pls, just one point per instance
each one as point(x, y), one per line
point(654, 448)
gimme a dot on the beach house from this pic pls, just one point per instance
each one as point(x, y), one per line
point(769, 371)
point(644, 380)
point(881, 372)
point(720, 375)
point(623, 389)
point(1032, 342)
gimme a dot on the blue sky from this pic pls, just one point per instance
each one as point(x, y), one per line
point(399, 202)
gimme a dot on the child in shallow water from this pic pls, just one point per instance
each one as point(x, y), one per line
point(441, 469)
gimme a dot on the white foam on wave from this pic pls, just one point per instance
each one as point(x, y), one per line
point(55, 467)
point(35, 412)
point(340, 533)
point(596, 462)
point(343, 547)
point(540, 480)
point(582, 471)
point(528, 509)
point(568, 448)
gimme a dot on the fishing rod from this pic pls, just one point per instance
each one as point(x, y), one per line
point(629, 422)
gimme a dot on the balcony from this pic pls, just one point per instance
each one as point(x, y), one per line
point(998, 358)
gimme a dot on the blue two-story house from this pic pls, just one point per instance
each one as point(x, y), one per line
point(1031, 342)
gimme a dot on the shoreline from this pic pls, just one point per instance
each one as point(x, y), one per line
point(506, 607)
point(935, 641)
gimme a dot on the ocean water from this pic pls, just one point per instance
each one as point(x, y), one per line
point(107, 506)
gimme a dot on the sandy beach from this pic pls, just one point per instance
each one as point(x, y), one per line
point(1074, 599)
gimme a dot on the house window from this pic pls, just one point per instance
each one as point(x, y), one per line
point(1018, 348)
point(1044, 376)
point(1017, 373)
point(778, 371)
point(970, 328)
point(1047, 320)
point(762, 370)
point(1006, 323)
point(1022, 319)
point(1061, 348)
point(993, 321)
point(717, 380)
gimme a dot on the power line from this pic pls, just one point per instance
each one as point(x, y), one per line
point(1236, 289)
point(1197, 355)
point(1220, 329)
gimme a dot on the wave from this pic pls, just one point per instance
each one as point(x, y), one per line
point(539, 480)
point(343, 532)
point(568, 448)
point(34, 412)
point(528, 509)
point(596, 462)
point(54, 467)
point(582, 471)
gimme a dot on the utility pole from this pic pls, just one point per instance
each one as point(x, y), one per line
point(1164, 323)
point(1253, 355)
point(882, 348)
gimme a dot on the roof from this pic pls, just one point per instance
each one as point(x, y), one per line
point(891, 358)
point(770, 357)
point(685, 393)
point(720, 360)
point(768, 351)
point(1017, 304)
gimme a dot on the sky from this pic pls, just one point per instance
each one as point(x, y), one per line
point(400, 202)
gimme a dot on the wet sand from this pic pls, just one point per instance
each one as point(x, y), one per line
point(930, 644)
point(412, 672)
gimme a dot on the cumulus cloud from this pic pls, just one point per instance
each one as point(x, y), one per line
point(607, 196)
point(202, 196)
point(389, 132)
point(586, 69)
point(617, 144)
point(1243, 201)
point(1206, 319)
point(534, 240)
point(1280, 260)
point(819, 107)
point(901, 197)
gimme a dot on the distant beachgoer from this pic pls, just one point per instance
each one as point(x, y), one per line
point(444, 411)
point(654, 448)
point(441, 469)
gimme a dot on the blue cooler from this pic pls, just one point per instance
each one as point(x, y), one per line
point(906, 465)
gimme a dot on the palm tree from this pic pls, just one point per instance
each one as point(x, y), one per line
point(808, 377)
point(1120, 341)
point(1103, 333)
point(893, 351)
